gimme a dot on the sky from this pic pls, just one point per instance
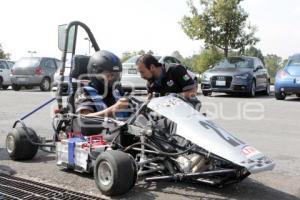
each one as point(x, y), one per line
point(132, 25)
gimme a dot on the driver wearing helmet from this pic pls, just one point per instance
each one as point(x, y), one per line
point(102, 97)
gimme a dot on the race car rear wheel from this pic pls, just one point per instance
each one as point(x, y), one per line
point(115, 172)
point(18, 146)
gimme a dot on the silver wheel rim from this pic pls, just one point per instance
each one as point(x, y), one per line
point(10, 144)
point(105, 173)
point(46, 84)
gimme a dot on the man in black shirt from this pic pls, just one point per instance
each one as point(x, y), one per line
point(166, 79)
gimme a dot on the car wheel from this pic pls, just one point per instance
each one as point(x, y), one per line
point(18, 146)
point(298, 95)
point(280, 95)
point(115, 172)
point(16, 87)
point(5, 87)
point(45, 84)
point(267, 90)
point(1, 82)
point(252, 89)
point(206, 93)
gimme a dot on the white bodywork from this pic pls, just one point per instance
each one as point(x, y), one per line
point(195, 127)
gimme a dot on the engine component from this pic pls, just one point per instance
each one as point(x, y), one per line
point(192, 163)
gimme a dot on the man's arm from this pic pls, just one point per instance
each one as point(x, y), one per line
point(110, 111)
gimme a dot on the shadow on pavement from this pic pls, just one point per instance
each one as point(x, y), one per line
point(40, 157)
point(249, 189)
point(244, 96)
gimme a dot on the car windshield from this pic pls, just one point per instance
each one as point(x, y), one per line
point(27, 62)
point(295, 61)
point(233, 62)
point(134, 59)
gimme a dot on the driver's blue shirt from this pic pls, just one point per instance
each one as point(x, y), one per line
point(87, 98)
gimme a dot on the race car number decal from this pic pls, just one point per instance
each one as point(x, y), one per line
point(249, 151)
point(228, 138)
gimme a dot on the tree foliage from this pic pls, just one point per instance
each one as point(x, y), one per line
point(273, 63)
point(252, 51)
point(206, 58)
point(220, 23)
point(3, 55)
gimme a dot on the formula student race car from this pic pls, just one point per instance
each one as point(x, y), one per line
point(164, 138)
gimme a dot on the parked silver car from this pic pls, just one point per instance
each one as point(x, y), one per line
point(131, 78)
point(5, 71)
point(34, 71)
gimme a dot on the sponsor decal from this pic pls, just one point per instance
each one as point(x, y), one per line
point(116, 68)
point(186, 77)
point(170, 83)
point(249, 151)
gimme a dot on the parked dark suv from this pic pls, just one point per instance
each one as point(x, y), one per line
point(34, 71)
point(241, 74)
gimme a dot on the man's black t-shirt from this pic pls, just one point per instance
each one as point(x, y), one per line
point(174, 79)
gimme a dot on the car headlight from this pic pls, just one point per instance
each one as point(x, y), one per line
point(205, 77)
point(242, 76)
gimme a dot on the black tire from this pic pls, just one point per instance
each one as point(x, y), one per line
point(298, 95)
point(206, 93)
point(115, 172)
point(18, 146)
point(5, 87)
point(16, 87)
point(252, 89)
point(267, 91)
point(280, 95)
point(45, 84)
point(1, 82)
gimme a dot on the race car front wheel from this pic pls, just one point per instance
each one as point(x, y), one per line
point(18, 146)
point(115, 172)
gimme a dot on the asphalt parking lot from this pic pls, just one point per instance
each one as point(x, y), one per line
point(269, 125)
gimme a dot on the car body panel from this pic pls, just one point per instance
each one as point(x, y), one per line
point(5, 71)
point(288, 79)
point(24, 70)
point(255, 71)
point(195, 127)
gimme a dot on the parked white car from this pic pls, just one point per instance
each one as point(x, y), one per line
point(5, 72)
point(131, 78)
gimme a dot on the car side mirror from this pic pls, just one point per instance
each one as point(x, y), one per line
point(258, 68)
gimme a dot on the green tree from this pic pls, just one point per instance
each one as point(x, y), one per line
point(206, 58)
point(141, 52)
point(221, 23)
point(126, 55)
point(150, 52)
point(3, 55)
point(273, 63)
point(177, 55)
point(252, 51)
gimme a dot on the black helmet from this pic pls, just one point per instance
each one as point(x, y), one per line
point(103, 62)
